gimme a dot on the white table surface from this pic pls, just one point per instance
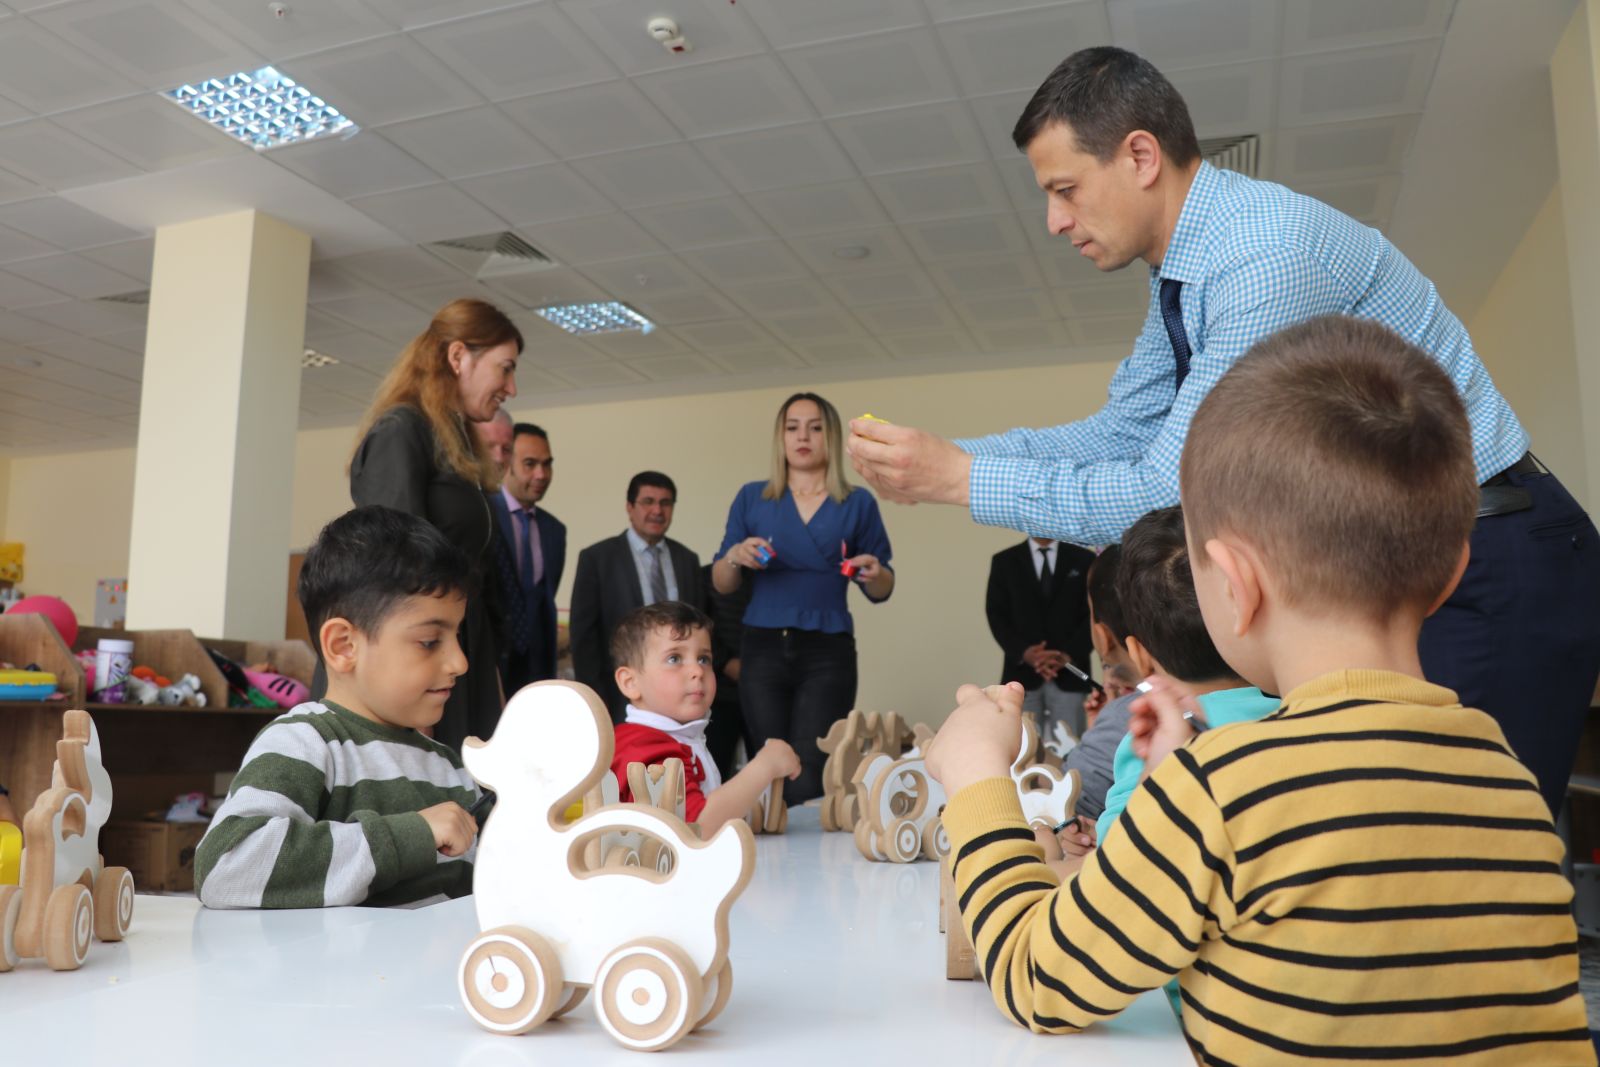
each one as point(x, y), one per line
point(836, 961)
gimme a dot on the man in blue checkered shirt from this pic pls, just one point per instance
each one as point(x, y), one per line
point(1232, 260)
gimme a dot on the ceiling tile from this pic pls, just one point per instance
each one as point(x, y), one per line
point(384, 81)
point(1344, 150)
point(396, 268)
point(62, 223)
point(537, 194)
point(816, 327)
point(991, 311)
point(660, 175)
point(1230, 100)
point(553, 348)
point(534, 383)
point(47, 154)
point(19, 292)
point(812, 209)
point(1065, 265)
point(755, 360)
point(842, 353)
point(365, 349)
point(978, 277)
point(676, 368)
point(991, 235)
point(731, 97)
point(358, 166)
point(884, 249)
point(96, 354)
point(1127, 297)
point(307, 28)
point(952, 10)
point(85, 318)
point(15, 188)
point(758, 261)
point(921, 317)
point(151, 133)
point(129, 339)
point(715, 30)
point(997, 116)
point(349, 379)
point(911, 138)
point(464, 144)
point(1017, 174)
point(387, 316)
point(525, 50)
point(940, 345)
point(702, 223)
point(44, 74)
point(593, 239)
point(678, 309)
point(627, 344)
point(1018, 51)
point(1356, 84)
point(160, 44)
point(873, 73)
point(780, 298)
point(594, 375)
point(1309, 26)
point(775, 159)
point(942, 192)
point(1174, 34)
point(431, 298)
point(1366, 199)
point(728, 335)
point(14, 245)
point(787, 24)
point(593, 120)
point(882, 287)
point(1119, 330)
point(1017, 336)
point(414, 14)
point(330, 283)
point(430, 213)
point(546, 287)
point(646, 278)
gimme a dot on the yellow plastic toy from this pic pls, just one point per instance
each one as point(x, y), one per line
point(10, 854)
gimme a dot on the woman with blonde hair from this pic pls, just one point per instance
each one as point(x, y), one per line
point(804, 536)
point(417, 453)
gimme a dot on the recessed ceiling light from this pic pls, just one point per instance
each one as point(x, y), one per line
point(852, 252)
point(263, 108)
point(313, 358)
point(606, 316)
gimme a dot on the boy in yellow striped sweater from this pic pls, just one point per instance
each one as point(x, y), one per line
point(1367, 874)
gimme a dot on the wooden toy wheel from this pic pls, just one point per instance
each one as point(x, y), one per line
point(68, 923)
point(778, 815)
point(848, 815)
point(903, 842)
point(721, 989)
point(866, 843)
point(829, 823)
point(10, 910)
point(113, 903)
point(575, 995)
point(510, 980)
point(620, 856)
point(935, 842)
point(648, 994)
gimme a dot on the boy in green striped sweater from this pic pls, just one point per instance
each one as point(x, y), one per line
point(345, 800)
point(1368, 874)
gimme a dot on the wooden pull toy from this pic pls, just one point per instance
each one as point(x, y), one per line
point(770, 815)
point(67, 891)
point(652, 944)
point(847, 742)
point(900, 805)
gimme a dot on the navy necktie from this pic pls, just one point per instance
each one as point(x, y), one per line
point(1172, 317)
point(525, 563)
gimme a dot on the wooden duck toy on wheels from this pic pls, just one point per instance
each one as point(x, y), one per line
point(67, 891)
point(653, 945)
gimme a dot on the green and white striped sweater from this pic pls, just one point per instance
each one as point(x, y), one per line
point(324, 813)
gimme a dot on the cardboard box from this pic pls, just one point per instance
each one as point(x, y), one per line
point(160, 854)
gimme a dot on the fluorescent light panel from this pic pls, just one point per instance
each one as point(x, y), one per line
point(606, 316)
point(263, 108)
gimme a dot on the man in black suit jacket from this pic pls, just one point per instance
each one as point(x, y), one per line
point(529, 565)
point(639, 566)
point(1039, 613)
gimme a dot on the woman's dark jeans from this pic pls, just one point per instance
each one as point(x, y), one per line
point(793, 685)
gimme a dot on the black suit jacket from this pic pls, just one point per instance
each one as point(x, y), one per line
point(605, 588)
point(519, 666)
point(1020, 616)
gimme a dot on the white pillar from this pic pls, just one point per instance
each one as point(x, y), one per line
point(214, 469)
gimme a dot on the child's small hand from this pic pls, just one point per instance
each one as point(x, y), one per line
point(453, 829)
point(1093, 701)
point(780, 758)
point(1077, 837)
point(980, 739)
point(1156, 722)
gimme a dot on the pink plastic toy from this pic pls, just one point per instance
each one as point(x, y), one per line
point(53, 608)
point(285, 691)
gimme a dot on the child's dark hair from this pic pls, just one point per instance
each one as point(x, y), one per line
point(674, 616)
point(368, 560)
point(1159, 604)
point(1102, 587)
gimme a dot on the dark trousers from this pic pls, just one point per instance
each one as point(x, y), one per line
point(1520, 637)
point(793, 684)
point(518, 669)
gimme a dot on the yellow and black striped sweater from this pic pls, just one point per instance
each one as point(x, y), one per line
point(1366, 875)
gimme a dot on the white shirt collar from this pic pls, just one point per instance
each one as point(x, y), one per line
point(637, 543)
point(689, 734)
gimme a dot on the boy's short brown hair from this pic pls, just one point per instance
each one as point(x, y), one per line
point(674, 616)
point(1343, 453)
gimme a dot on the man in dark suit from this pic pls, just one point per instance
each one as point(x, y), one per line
point(1039, 613)
point(640, 566)
point(532, 553)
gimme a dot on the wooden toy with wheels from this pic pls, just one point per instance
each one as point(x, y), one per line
point(770, 815)
point(1047, 795)
point(900, 805)
point(847, 742)
point(653, 946)
point(661, 786)
point(67, 892)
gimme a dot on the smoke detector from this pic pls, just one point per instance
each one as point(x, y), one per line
point(665, 30)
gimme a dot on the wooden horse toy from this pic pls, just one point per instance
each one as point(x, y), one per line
point(847, 742)
point(67, 891)
point(653, 946)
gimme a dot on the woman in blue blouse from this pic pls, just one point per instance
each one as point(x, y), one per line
point(797, 534)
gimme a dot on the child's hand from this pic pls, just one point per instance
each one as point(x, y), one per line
point(1077, 837)
point(980, 739)
point(780, 759)
point(1093, 701)
point(453, 829)
point(1156, 722)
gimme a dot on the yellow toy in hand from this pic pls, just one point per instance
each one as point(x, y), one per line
point(869, 417)
point(10, 854)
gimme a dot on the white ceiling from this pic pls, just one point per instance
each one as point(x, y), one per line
point(712, 190)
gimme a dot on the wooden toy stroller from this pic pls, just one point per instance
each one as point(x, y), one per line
point(67, 891)
point(899, 805)
point(653, 945)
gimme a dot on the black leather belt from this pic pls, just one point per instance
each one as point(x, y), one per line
point(1498, 496)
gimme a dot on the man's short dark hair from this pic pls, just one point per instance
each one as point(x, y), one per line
point(528, 429)
point(655, 480)
point(1102, 586)
point(677, 618)
point(1103, 94)
point(368, 560)
point(1158, 599)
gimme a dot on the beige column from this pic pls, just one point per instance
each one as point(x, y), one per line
point(1575, 86)
point(214, 469)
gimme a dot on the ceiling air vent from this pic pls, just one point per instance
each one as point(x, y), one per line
point(141, 297)
point(1242, 154)
point(493, 255)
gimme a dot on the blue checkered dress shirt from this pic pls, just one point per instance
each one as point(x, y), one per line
point(1253, 258)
